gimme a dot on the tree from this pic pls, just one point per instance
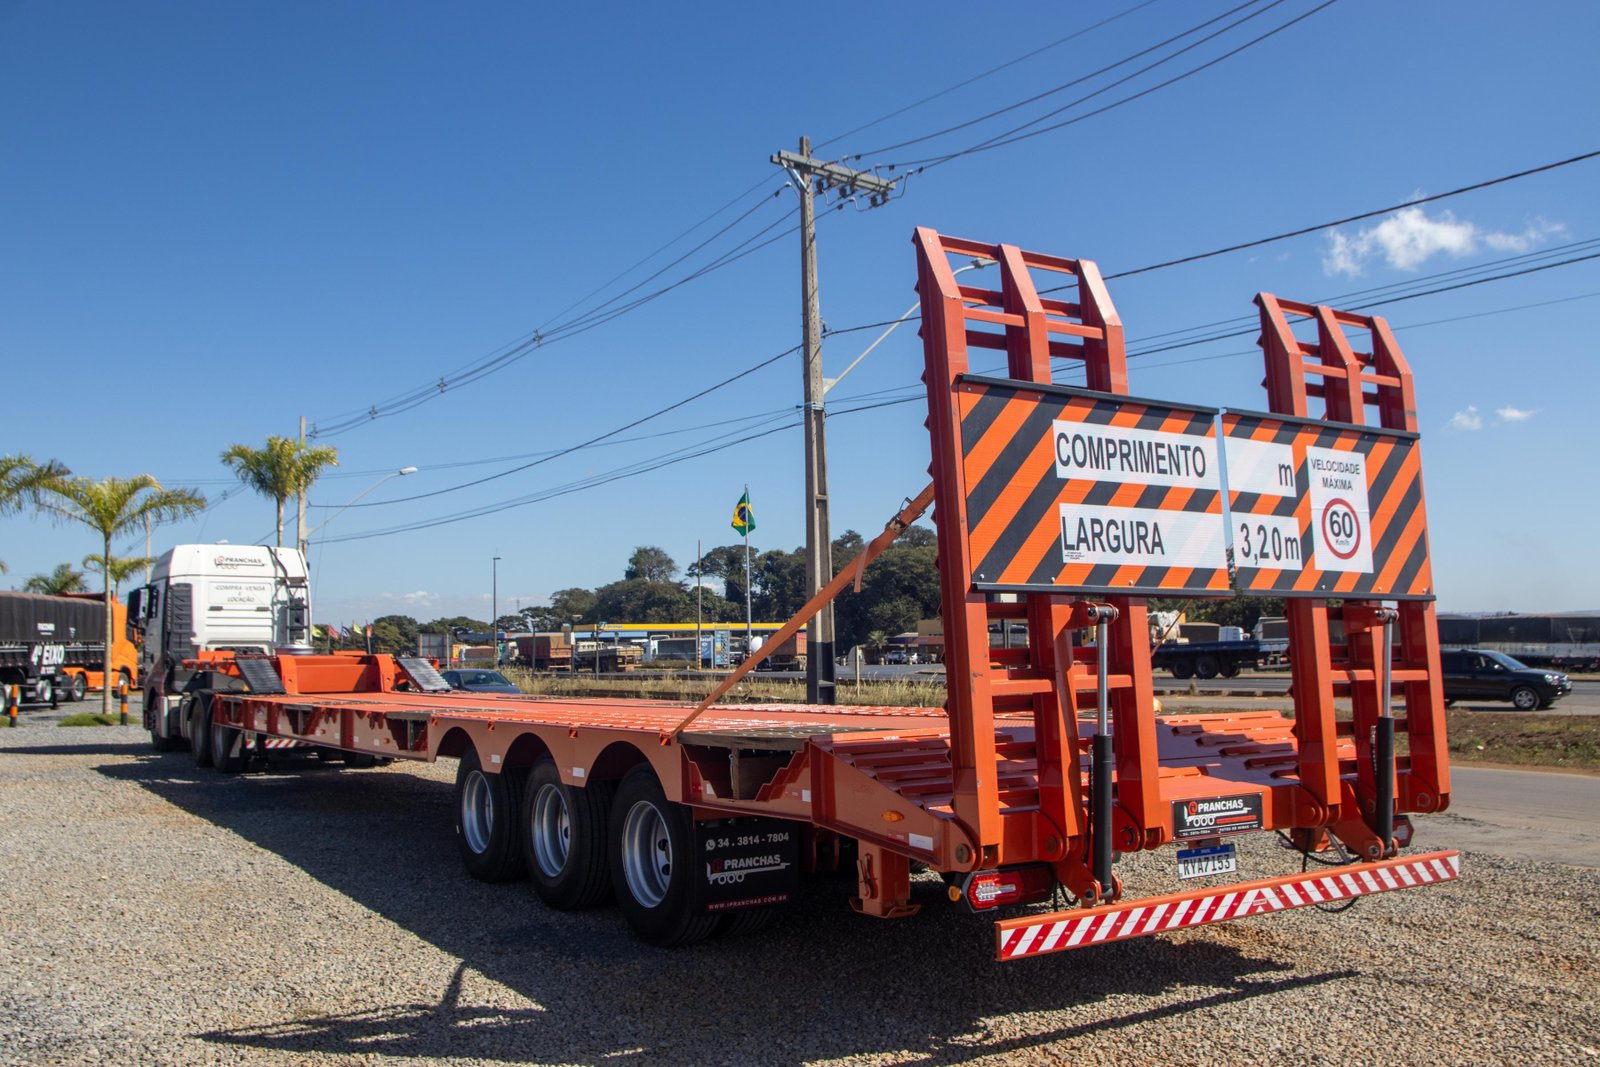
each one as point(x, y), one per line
point(456, 626)
point(122, 568)
point(638, 600)
point(394, 633)
point(282, 468)
point(651, 564)
point(21, 480)
point(573, 605)
point(111, 507)
point(61, 580)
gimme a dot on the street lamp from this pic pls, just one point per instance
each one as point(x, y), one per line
point(494, 607)
point(402, 472)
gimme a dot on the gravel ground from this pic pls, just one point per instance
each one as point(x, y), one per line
point(157, 913)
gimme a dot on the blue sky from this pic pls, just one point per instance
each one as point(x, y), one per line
point(217, 218)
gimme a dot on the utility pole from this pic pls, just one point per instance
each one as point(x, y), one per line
point(813, 177)
point(300, 506)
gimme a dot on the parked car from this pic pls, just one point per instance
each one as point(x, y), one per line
point(479, 681)
point(1482, 674)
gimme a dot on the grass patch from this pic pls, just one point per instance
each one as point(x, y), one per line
point(84, 718)
point(1531, 740)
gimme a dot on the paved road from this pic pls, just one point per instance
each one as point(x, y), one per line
point(1532, 815)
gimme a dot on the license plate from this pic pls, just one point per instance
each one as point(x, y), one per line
point(1203, 862)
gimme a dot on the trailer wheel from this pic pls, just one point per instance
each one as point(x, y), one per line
point(1182, 669)
point(564, 838)
point(77, 687)
point(226, 745)
point(1206, 667)
point(486, 820)
point(43, 690)
point(199, 730)
point(1230, 669)
point(652, 869)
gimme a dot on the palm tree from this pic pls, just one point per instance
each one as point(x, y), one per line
point(111, 507)
point(21, 480)
point(284, 468)
point(61, 580)
point(122, 568)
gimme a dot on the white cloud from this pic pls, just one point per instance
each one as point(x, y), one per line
point(1409, 238)
point(1467, 419)
point(421, 598)
point(1511, 414)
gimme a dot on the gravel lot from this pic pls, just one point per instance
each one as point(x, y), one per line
point(156, 913)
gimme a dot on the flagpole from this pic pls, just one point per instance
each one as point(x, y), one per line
point(747, 616)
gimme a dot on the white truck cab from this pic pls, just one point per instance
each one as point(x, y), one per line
point(217, 597)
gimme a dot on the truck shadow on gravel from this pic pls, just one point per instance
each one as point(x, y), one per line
point(819, 983)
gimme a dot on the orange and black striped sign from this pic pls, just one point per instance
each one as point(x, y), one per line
point(1074, 490)
point(1325, 509)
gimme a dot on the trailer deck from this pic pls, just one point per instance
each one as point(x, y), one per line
point(1061, 507)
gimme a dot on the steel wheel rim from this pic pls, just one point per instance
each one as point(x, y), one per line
point(646, 854)
point(477, 811)
point(552, 830)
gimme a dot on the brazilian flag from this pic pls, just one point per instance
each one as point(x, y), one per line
point(744, 520)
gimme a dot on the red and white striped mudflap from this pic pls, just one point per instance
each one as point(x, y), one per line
point(280, 742)
point(1035, 935)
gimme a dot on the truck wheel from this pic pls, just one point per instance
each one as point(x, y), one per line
point(77, 687)
point(564, 839)
point(1229, 670)
point(199, 731)
point(1206, 667)
point(486, 820)
point(1182, 669)
point(652, 866)
point(1525, 698)
point(159, 741)
point(43, 690)
point(226, 743)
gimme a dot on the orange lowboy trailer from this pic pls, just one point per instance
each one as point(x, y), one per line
point(1062, 508)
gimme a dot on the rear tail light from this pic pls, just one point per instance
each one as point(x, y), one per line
point(1027, 884)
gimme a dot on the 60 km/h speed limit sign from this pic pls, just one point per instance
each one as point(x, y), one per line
point(1325, 509)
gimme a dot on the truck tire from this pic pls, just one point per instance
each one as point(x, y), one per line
point(227, 744)
point(1229, 669)
point(652, 866)
point(564, 839)
point(43, 690)
point(77, 687)
point(199, 730)
point(486, 820)
point(1182, 669)
point(161, 742)
point(1206, 667)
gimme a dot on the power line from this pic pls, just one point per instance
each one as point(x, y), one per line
point(1016, 135)
point(1354, 218)
point(992, 70)
point(1124, 61)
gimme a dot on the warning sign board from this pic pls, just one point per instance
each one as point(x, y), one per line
point(1074, 490)
point(1325, 509)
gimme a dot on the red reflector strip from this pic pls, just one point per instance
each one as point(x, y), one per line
point(1035, 935)
point(280, 742)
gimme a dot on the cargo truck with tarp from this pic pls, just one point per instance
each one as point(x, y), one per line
point(45, 641)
